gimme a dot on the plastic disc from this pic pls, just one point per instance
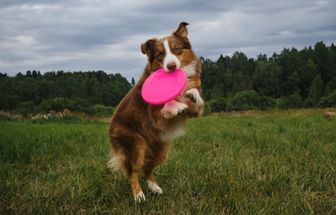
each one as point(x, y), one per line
point(161, 87)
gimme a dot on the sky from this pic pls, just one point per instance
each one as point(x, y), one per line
point(106, 35)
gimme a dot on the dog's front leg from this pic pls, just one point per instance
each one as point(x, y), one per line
point(172, 109)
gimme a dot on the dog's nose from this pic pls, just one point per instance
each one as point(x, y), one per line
point(171, 66)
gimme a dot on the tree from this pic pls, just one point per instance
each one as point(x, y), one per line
point(316, 89)
point(266, 78)
point(322, 60)
point(306, 76)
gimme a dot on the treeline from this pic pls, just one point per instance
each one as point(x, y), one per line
point(90, 92)
point(291, 79)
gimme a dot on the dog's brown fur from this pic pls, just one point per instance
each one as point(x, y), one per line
point(139, 133)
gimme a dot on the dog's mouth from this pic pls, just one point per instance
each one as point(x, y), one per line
point(172, 67)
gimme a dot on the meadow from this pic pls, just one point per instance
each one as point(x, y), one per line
point(276, 162)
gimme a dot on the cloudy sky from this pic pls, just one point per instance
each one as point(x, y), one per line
point(101, 34)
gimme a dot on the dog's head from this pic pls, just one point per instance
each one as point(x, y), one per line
point(170, 52)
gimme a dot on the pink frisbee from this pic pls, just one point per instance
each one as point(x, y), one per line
point(161, 87)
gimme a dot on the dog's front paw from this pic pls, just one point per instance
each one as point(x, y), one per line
point(172, 109)
point(194, 95)
point(139, 197)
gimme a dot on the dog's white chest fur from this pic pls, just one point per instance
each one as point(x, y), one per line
point(190, 69)
point(173, 133)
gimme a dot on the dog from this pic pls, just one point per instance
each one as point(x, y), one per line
point(140, 133)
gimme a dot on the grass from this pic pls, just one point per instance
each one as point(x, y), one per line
point(251, 163)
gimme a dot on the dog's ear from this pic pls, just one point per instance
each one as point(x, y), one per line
point(147, 47)
point(182, 30)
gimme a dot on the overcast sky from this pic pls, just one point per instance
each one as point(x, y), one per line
point(100, 34)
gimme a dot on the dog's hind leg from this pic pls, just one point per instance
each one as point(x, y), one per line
point(160, 153)
point(151, 182)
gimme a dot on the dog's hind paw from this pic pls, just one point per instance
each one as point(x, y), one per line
point(154, 187)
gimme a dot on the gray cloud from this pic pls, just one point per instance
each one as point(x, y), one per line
point(87, 35)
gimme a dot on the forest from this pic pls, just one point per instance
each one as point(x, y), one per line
point(291, 79)
point(92, 92)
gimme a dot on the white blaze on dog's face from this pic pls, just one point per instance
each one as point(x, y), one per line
point(170, 61)
point(171, 52)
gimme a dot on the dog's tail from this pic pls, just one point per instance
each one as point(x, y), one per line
point(115, 163)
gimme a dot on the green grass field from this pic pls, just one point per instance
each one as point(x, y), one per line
point(252, 163)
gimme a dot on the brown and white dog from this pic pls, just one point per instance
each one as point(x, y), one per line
point(139, 132)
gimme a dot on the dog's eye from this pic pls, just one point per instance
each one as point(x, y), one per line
point(159, 55)
point(177, 50)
